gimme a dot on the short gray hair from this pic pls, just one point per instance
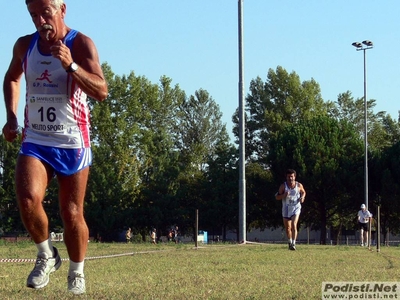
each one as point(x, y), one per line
point(56, 3)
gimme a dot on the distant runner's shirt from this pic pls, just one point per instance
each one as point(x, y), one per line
point(291, 203)
point(364, 216)
point(56, 110)
point(293, 197)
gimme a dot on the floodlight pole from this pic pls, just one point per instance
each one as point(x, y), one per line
point(242, 170)
point(365, 45)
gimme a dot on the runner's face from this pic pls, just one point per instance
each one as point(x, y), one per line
point(46, 17)
point(290, 178)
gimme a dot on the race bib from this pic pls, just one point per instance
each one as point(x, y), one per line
point(292, 199)
point(48, 113)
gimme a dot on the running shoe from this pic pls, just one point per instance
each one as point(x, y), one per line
point(76, 284)
point(44, 266)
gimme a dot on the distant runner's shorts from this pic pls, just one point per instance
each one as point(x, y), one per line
point(363, 225)
point(291, 210)
point(63, 161)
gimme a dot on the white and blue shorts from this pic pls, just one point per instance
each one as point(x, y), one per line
point(288, 211)
point(63, 161)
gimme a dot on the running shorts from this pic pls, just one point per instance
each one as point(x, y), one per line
point(289, 211)
point(63, 161)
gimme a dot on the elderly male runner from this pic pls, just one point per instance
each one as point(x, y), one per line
point(292, 194)
point(363, 217)
point(61, 68)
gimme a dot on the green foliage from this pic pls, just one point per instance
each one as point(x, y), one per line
point(385, 187)
point(262, 208)
point(200, 129)
point(272, 105)
point(150, 148)
point(9, 215)
point(383, 131)
point(219, 204)
point(288, 125)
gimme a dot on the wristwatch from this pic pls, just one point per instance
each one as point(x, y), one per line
point(72, 67)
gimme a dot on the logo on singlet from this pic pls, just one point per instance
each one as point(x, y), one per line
point(45, 76)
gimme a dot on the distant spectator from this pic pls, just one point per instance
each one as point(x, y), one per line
point(153, 236)
point(98, 238)
point(171, 235)
point(128, 235)
point(177, 237)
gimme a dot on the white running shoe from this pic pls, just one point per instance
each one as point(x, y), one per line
point(39, 277)
point(76, 284)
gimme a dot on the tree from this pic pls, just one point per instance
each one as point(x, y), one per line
point(272, 105)
point(9, 213)
point(113, 183)
point(262, 208)
point(220, 204)
point(199, 129)
point(385, 187)
point(152, 142)
point(159, 156)
point(383, 131)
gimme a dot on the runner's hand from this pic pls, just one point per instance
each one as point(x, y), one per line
point(10, 130)
point(60, 51)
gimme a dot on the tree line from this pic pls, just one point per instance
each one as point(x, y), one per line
point(159, 155)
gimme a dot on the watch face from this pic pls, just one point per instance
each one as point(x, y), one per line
point(74, 67)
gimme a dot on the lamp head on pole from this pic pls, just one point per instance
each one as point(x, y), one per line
point(368, 43)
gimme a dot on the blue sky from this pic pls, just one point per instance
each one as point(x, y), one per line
point(195, 43)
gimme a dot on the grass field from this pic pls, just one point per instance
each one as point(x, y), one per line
point(223, 271)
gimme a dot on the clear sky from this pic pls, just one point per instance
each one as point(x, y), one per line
point(195, 43)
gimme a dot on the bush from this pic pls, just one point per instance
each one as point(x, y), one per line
point(136, 238)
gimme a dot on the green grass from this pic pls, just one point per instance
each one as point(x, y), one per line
point(227, 271)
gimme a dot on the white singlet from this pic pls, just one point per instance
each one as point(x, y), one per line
point(291, 204)
point(56, 111)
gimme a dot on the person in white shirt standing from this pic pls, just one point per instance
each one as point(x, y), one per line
point(363, 217)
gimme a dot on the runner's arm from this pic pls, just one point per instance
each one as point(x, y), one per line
point(281, 193)
point(11, 87)
point(302, 193)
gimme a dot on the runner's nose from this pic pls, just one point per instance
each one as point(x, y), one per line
point(42, 21)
